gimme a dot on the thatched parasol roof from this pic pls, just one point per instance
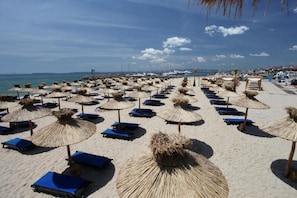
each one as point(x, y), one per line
point(117, 103)
point(171, 171)
point(179, 112)
point(285, 128)
point(27, 112)
point(249, 101)
point(190, 99)
point(236, 6)
point(65, 131)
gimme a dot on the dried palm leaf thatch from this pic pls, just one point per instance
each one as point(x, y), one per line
point(228, 6)
point(183, 90)
point(249, 101)
point(26, 113)
point(179, 113)
point(117, 103)
point(285, 128)
point(191, 175)
point(65, 131)
point(178, 97)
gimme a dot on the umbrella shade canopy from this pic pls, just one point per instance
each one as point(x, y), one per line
point(179, 114)
point(81, 99)
point(57, 94)
point(186, 97)
point(249, 101)
point(117, 103)
point(27, 112)
point(171, 171)
point(139, 94)
point(65, 131)
point(285, 128)
point(6, 105)
point(227, 93)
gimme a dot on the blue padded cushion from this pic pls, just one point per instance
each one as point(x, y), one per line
point(63, 183)
point(19, 143)
point(90, 159)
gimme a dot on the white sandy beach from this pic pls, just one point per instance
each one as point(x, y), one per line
point(247, 159)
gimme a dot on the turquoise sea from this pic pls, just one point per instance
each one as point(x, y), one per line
point(8, 81)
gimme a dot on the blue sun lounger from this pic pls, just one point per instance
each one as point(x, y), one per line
point(90, 159)
point(87, 116)
point(218, 102)
point(61, 185)
point(237, 121)
point(117, 134)
point(136, 112)
point(19, 144)
point(4, 129)
point(160, 96)
point(152, 102)
point(124, 125)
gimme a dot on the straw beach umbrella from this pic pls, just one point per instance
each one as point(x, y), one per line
point(228, 94)
point(64, 132)
point(7, 101)
point(179, 113)
point(249, 102)
point(171, 171)
point(28, 112)
point(58, 94)
point(117, 103)
point(285, 128)
point(139, 94)
point(81, 99)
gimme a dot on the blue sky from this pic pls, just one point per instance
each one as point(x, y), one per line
point(140, 35)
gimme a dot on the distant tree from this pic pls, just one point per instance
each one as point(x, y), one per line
point(228, 6)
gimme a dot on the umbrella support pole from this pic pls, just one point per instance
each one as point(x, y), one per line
point(119, 116)
point(31, 127)
point(82, 109)
point(59, 103)
point(179, 127)
point(289, 164)
point(69, 155)
point(242, 126)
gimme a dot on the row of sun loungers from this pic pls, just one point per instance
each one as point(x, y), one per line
point(223, 110)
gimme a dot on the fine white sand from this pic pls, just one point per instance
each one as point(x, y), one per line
point(251, 161)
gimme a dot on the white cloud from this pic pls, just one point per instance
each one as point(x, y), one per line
point(295, 10)
point(175, 42)
point(226, 31)
point(260, 54)
point(185, 49)
point(294, 47)
point(201, 59)
point(236, 56)
point(220, 56)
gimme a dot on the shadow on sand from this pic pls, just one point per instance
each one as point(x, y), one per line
point(97, 177)
point(201, 148)
point(278, 168)
point(255, 131)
